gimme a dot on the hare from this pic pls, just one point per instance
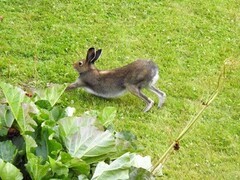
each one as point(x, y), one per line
point(112, 83)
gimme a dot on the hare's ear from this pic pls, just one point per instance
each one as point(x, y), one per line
point(98, 54)
point(90, 54)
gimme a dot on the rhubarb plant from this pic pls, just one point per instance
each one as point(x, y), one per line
point(40, 139)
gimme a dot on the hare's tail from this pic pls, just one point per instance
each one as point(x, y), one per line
point(155, 78)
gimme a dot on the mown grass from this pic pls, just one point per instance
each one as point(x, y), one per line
point(188, 40)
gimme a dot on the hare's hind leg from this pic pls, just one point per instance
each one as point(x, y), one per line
point(161, 95)
point(137, 92)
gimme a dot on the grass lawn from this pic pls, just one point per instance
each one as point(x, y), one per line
point(39, 41)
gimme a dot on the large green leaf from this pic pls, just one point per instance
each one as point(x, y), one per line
point(26, 123)
point(140, 167)
point(128, 166)
point(140, 173)
point(126, 142)
point(7, 151)
point(4, 130)
point(36, 169)
point(141, 162)
point(51, 94)
point(107, 116)
point(57, 113)
point(15, 97)
point(82, 177)
point(77, 165)
point(6, 116)
point(90, 142)
point(6, 119)
point(47, 146)
point(70, 125)
point(83, 140)
point(30, 143)
point(9, 171)
point(58, 167)
point(20, 106)
point(118, 169)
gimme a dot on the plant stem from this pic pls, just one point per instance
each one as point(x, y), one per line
point(189, 125)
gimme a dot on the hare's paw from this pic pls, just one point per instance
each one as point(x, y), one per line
point(149, 106)
point(72, 86)
point(162, 100)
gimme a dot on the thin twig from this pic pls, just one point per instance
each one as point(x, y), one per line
point(189, 125)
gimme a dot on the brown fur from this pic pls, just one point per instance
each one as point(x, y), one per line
point(111, 83)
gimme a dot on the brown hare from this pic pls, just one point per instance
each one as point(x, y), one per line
point(112, 83)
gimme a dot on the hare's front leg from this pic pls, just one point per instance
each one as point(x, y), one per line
point(137, 92)
point(74, 85)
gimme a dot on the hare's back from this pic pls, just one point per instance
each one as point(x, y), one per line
point(142, 73)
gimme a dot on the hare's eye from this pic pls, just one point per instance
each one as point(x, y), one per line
point(80, 63)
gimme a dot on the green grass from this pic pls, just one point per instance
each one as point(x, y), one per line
point(39, 41)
